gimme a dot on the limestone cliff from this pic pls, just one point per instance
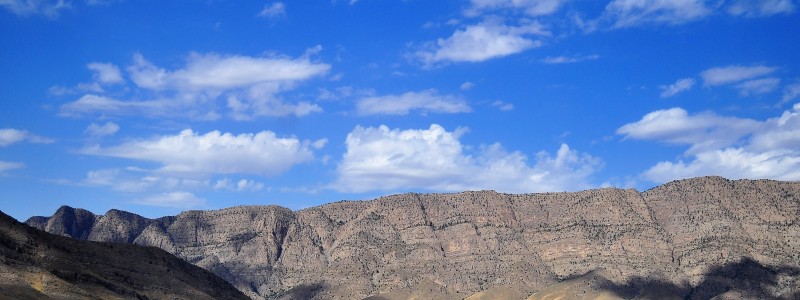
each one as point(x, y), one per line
point(451, 246)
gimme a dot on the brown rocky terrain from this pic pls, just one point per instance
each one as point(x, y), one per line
point(39, 265)
point(697, 238)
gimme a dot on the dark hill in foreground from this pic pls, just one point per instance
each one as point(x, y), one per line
point(38, 265)
point(697, 238)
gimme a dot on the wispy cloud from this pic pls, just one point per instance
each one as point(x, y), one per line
point(10, 165)
point(106, 73)
point(790, 93)
point(179, 199)
point(262, 153)
point(480, 42)
point(629, 13)
point(760, 8)
point(529, 7)
point(503, 106)
point(273, 10)
point(733, 74)
point(426, 101)
point(679, 86)
point(9, 136)
point(758, 86)
point(49, 8)
point(107, 129)
point(249, 87)
point(556, 60)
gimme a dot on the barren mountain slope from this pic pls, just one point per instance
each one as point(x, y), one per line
point(457, 245)
point(39, 265)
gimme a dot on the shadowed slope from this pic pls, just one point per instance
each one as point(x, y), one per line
point(39, 265)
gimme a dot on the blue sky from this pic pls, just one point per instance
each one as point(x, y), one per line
point(156, 107)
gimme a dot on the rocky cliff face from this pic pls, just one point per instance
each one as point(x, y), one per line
point(39, 265)
point(456, 245)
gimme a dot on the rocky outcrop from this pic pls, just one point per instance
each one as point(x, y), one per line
point(457, 245)
point(39, 265)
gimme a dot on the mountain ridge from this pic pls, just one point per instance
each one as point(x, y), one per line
point(459, 244)
point(39, 265)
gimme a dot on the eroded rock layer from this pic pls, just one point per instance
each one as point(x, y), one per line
point(457, 245)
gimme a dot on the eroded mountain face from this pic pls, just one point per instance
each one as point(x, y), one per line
point(451, 246)
point(40, 265)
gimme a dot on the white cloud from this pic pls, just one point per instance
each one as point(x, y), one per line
point(503, 105)
point(107, 129)
point(130, 180)
point(530, 7)
point(679, 86)
point(248, 87)
point(629, 13)
point(734, 163)
point(760, 8)
point(481, 42)
point(102, 177)
point(49, 8)
point(104, 106)
point(701, 131)
point(733, 74)
point(744, 149)
point(380, 159)
point(173, 199)
point(555, 60)
point(209, 72)
point(791, 92)
point(9, 136)
point(276, 9)
point(466, 86)
point(426, 101)
point(10, 165)
point(243, 185)
point(758, 86)
point(190, 153)
point(106, 73)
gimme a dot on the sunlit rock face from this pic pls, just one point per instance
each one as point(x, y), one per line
point(673, 237)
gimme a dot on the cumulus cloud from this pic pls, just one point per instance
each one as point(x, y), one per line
point(557, 60)
point(760, 8)
point(248, 87)
point(190, 153)
point(9, 136)
point(426, 101)
point(173, 199)
point(107, 129)
point(702, 131)
point(273, 10)
point(10, 165)
point(733, 74)
point(106, 73)
point(529, 7)
point(380, 159)
point(49, 8)
point(740, 148)
point(483, 41)
point(679, 86)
